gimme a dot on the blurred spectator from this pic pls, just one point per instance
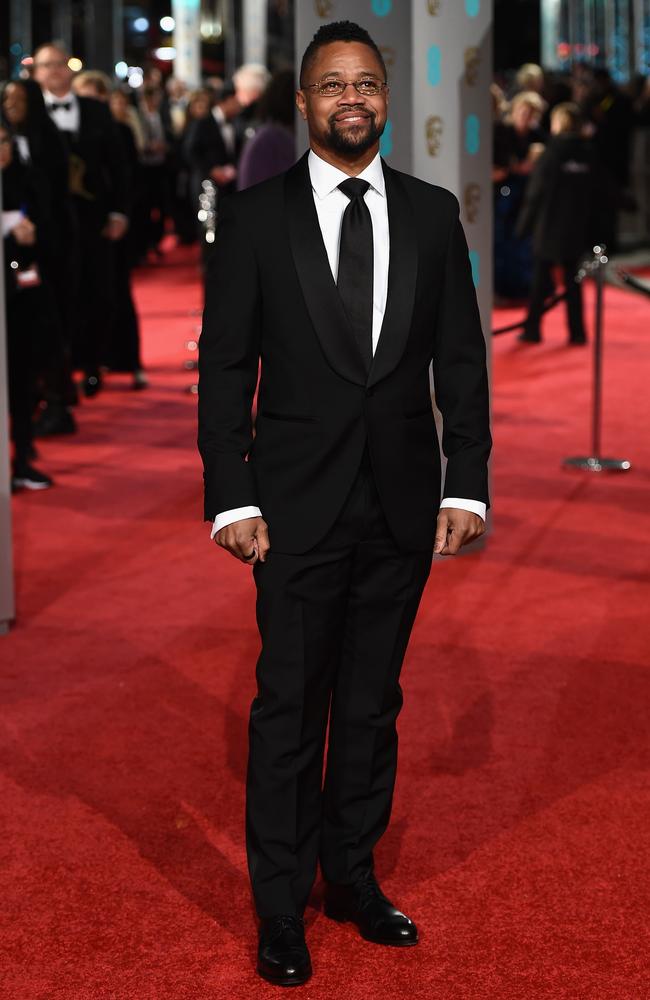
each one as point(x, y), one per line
point(187, 182)
point(213, 146)
point(611, 112)
point(529, 77)
point(177, 97)
point(38, 144)
point(518, 143)
point(561, 211)
point(150, 225)
point(250, 81)
point(25, 230)
point(98, 187)
point(272, 149)
point(123, 347)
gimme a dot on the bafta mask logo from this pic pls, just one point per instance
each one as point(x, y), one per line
point(324, 7)
point(472, 64)
point(433, 6)
point(389, 54)
point(472, 201)
point(434, 130)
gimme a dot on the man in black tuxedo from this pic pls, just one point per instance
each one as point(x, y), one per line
point(99, 191)
point(213, 145)
point(346, 278)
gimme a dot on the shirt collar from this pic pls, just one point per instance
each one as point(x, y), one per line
point(50, 98)
point(325, 178)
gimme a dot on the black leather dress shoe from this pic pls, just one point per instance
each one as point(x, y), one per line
point(365, 904)
point(54, 419)
point(283, 956)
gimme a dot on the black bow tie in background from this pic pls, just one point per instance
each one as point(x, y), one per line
point(56, 105)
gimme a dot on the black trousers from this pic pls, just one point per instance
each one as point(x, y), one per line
point(542, 283)
point(335, 623)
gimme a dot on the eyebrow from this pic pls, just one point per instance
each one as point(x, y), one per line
point(361, 72)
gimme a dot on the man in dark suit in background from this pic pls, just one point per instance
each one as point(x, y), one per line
point(347, 279)
point(213, 145)
point(98, 187)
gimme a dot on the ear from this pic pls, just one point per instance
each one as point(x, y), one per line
point(301, 104)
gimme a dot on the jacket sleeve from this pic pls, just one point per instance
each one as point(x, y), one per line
point(460, 375)
point(229, 349)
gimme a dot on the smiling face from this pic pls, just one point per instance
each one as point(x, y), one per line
point(348, 124)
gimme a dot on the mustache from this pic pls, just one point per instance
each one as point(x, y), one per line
point(361, 108)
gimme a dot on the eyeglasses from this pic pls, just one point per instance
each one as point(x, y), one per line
point(367, 87)
point(51, 64)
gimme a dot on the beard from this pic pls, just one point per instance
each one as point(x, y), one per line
point(354, 139)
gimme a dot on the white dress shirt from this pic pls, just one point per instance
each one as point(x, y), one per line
point(226, 128)
point(65, 119)
point(330, 205)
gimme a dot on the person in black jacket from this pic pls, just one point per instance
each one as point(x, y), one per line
point(561, 209)
point(39, 145)
point(123, 352)
point(98, 186)
point(26, 228)
point(212, 144)
point(332, 276)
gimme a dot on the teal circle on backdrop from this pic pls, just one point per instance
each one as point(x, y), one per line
point(473, 7)
point(386, 141)
point(475, 261)
point(434, 59)
point(382, 7)
point(472, 134)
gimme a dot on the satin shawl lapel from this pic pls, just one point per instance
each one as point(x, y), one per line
point(402, 276)
point(315, 276)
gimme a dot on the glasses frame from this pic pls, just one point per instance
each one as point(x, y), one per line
point(382, 86)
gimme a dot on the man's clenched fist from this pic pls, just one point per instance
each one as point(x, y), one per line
point(247, 540)
point(456, 528)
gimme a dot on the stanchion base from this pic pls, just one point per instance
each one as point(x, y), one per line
point(592, 464)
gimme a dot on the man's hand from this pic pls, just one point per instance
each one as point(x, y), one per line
point(455, 529)
point(247, 540)
point(24, 232)
point(115, 228)
point(223, 175)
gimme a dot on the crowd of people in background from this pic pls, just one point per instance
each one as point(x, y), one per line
point(97, 174)
point(95, 177)
point(562, 176)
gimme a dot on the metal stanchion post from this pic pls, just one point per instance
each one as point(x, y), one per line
point(595, 462)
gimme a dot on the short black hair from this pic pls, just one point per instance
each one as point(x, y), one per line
point(338, 31)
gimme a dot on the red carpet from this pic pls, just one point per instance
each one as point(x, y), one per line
point(520, 840)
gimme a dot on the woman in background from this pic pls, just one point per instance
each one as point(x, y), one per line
point(559, 211)
point(272, 149)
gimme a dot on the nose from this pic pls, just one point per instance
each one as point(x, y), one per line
point(343, 96)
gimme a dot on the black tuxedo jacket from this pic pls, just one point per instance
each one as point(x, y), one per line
point(98, 165)
point(270, 297)
point(205, 146)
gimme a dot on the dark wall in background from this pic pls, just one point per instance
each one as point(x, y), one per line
point(516, 33)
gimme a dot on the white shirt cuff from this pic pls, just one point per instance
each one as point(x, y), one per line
point(230, 516)
point(475, 506)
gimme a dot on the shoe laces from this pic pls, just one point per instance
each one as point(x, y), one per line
point(285, 923)
point(368, 891)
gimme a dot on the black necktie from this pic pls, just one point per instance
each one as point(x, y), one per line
point(355, 272)
point(56, 105)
